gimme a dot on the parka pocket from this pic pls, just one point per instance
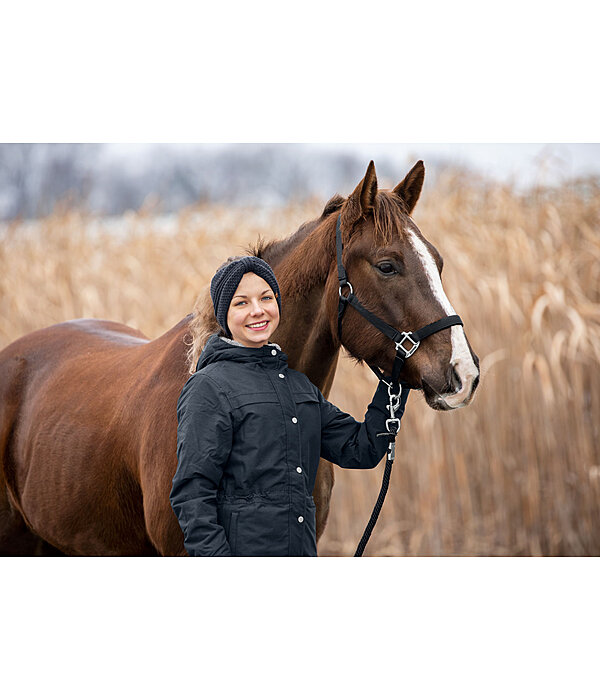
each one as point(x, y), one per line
point(258, 425)
point(308, 411)
point(233, 524)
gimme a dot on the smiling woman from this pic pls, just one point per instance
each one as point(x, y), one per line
point(251, 431)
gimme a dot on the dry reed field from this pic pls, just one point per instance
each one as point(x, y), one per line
point(515, 473)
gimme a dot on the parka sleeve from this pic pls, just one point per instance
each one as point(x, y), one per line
point(204, 439)
point(354, 445)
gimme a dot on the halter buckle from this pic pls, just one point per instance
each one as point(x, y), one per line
point(345, 284)
point(415, 344)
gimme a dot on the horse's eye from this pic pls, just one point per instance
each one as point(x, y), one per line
point(387, 268)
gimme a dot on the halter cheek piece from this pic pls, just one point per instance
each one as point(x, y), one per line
point(407, 343)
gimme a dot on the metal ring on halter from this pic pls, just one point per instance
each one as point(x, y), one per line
point(345, 284)
point(396, 422)
point(415, 345)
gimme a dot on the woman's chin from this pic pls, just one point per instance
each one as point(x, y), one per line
point(259, 338)
point(254, 339)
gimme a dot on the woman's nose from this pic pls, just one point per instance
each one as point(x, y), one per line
point(256, 308)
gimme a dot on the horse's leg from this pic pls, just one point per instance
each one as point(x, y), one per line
point(322, 494)
point(162, 526)
point(15, 537)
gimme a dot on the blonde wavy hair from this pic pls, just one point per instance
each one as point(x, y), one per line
point(204, 322)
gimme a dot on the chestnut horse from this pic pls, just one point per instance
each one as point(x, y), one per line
point(88, 408)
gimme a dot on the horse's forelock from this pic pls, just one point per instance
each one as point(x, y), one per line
point(390, 216)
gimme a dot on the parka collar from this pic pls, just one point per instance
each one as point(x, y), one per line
point(235, 342)
point(218, 349)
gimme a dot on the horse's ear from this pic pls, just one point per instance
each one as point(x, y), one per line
point(410, 188)
point(362, 200)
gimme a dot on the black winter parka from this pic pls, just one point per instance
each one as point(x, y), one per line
point(249, 437)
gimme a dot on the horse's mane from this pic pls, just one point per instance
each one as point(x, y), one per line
point(275, 251)
point(303, 259)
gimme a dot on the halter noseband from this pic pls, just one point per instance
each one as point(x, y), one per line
point(406, 343)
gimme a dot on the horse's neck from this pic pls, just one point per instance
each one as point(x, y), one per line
point(305, 329)
point(305, 337)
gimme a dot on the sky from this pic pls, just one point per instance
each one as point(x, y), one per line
point(522, 164)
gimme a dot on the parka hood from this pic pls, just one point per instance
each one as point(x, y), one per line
point(217, 349)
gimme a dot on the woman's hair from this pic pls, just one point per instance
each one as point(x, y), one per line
point(204, 322)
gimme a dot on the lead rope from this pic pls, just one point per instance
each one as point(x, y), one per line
point(377, 509)
point(393, 426)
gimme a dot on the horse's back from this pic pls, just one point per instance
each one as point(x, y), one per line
point(88, 332)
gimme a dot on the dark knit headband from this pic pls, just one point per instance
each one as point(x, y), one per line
point(226, 281)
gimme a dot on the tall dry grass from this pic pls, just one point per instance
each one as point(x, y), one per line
point(518, 472)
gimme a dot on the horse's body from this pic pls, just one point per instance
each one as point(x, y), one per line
point(88, 408)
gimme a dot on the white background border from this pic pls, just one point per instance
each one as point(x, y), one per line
point(314, 72)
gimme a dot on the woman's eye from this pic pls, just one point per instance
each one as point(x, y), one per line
point(386, 267)
point(268, 297)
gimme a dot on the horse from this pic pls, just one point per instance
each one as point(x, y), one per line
point(88, 407)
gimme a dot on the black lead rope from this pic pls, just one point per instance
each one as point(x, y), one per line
point(387, 473)
point(393, 426)
point(406, 344)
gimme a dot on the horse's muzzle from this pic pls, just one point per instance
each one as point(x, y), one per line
point(457, 390)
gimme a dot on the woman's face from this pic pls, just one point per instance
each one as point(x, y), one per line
point(253, 313)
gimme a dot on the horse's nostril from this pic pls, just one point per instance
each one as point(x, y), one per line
point(455, 381)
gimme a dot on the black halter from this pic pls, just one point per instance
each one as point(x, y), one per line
point(406, 342)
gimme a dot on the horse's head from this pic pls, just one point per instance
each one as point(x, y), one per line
point(396, 274)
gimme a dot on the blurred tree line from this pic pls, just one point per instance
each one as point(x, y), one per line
point(107, 179)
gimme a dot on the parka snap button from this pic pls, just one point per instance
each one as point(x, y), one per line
point(294, 419)
point(300, 519)
point(299, 470)
point(282, 376)
point(273, 352)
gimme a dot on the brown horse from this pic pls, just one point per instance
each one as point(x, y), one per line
point(87, 407)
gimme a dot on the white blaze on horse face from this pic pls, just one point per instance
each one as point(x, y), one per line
point(461, 359)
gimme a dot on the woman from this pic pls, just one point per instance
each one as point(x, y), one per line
point(251, 431)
